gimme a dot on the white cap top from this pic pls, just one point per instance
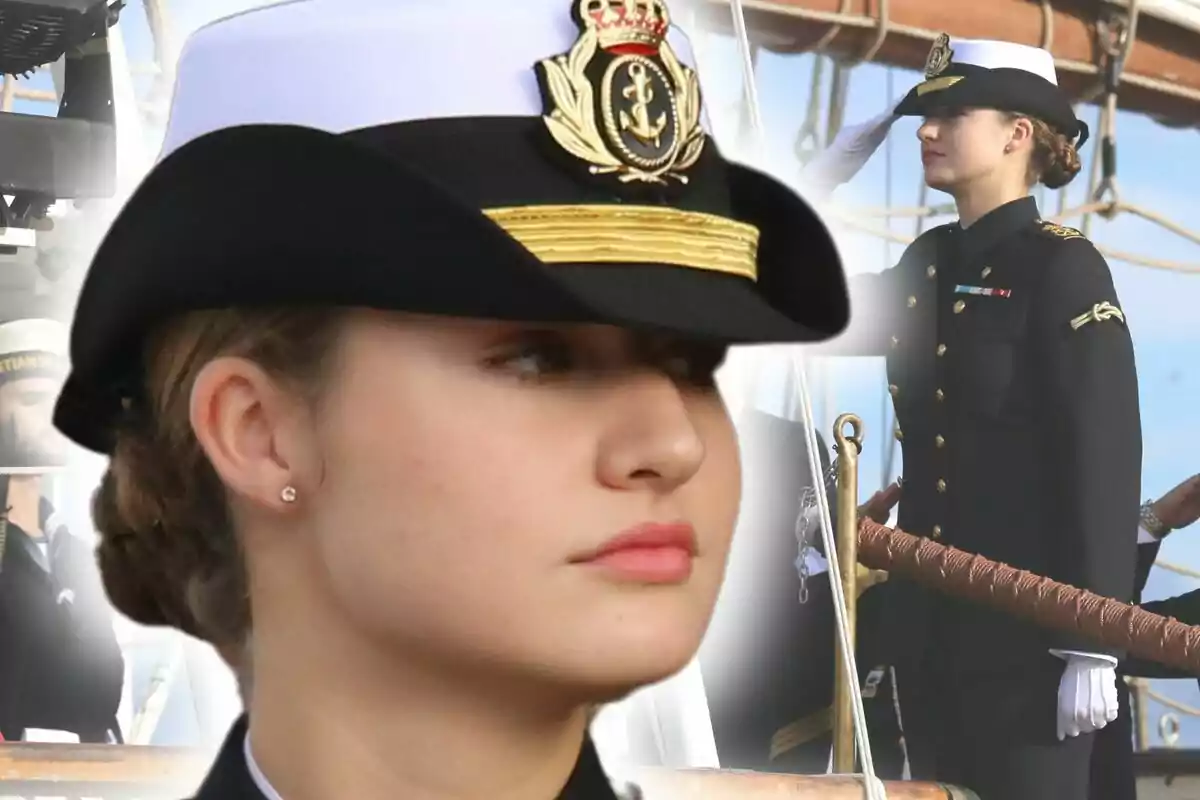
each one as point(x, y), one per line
point(991, 54)
point(340, 65)
point(33, 336)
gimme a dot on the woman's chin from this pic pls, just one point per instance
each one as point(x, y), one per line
point(626, 664)
point(939, 178)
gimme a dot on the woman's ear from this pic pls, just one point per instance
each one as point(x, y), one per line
point(1020, 136)
point(245, 424)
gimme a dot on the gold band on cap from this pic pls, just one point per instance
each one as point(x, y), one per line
point(31, 361)
point(621, 234)
point(937, 84)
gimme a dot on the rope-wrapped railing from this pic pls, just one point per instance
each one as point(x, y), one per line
point(1033, 597)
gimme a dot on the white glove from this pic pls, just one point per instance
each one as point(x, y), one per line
point(848, 153)
point(1087, 693)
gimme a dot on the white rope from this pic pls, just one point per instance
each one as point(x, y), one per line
point(875, 789)
point(749, 86)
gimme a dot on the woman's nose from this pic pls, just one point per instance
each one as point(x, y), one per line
point(652, 441)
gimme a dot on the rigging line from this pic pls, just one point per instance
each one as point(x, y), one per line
point(889, 441)
point(808, 138)
point(1116, 34)
point(749, 85)
point(912, 31)
point(1174, 705)
point(922, 210)
point(834, 29)
point(1178, 569)
point(853, 224)
point(853, 218)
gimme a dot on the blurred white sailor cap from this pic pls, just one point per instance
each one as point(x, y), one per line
point(33, 336)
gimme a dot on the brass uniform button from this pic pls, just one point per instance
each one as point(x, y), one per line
point(986, 271)
point(912, 301)
point(937, 531)
point(959, 306)
point(895, 342)
point(893, 389)
point(899, 435)
point(940, 395)
point(941, 349)
point(941, 486)
point(939, 440)
point(931, 271)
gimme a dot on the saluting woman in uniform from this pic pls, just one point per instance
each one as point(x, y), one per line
point(1012, 375)
point(408, 386)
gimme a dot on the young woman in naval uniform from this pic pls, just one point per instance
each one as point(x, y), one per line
point(1012, 372)
point(408, 384)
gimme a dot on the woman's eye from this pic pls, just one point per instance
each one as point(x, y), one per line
point(695, 367)
point(552, 357)
point(534, 360)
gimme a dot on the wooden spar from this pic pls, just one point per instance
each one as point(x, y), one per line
point(98, 770)
point(735, 785)
point(1161, 79)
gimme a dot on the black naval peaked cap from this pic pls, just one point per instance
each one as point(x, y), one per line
point(984, 73)
point(544, 160)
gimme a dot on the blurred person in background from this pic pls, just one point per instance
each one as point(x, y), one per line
point(61, 669)
point(1112, 760)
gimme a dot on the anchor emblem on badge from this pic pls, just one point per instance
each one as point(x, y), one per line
point(620, 100)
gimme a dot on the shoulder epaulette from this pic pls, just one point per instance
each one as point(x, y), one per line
point(1059, 231)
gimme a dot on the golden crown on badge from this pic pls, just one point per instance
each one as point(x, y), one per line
point(620, 100)
point(627, 25)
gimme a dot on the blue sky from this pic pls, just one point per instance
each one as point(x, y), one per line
point(1158, 170)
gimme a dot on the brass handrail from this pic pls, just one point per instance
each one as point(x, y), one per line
point(849, 446)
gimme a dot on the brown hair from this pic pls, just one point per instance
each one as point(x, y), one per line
point(168, 554)
point(1055, 161)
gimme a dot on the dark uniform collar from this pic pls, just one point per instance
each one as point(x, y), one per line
point(53, 537)
point(19, 541)
point(230, 777)
point(995, 226)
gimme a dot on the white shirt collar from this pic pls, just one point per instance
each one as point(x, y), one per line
point(256, 774)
